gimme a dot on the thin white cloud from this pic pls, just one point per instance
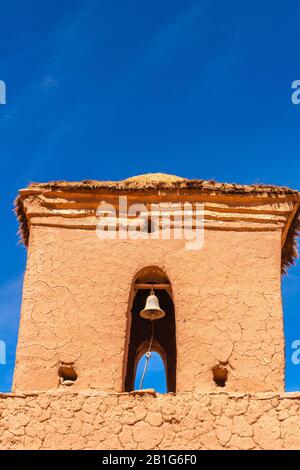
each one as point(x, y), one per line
point(65, 35)
point(167, 37)
point(49, 82)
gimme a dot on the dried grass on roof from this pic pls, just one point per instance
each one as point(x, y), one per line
point(160, 181)
point(157, 181)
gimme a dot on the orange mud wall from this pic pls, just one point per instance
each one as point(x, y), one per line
point(227, 299)
point(91, 420)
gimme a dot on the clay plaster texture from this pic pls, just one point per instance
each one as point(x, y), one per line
point(227, 309)
point(121, 421)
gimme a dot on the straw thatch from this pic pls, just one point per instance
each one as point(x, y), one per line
point(289, 251)
point(169, 183)
point(157, 181)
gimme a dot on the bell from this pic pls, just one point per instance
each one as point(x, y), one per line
point(152, 310)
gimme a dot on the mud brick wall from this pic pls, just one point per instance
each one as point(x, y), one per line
point(93, 420)
point(227, 299)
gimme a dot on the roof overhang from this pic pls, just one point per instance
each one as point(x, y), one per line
point(226, 206)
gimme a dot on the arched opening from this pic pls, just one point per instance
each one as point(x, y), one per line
point(139, 330)
point(155, 376)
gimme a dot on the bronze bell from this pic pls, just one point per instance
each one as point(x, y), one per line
point(152, 310)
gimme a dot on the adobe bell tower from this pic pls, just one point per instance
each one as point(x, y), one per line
point(83, 293)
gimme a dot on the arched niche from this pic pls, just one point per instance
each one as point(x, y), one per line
point(155, 377)
point(139, 329)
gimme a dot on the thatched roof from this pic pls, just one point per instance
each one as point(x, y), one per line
point(157, 181)
point(169, 183)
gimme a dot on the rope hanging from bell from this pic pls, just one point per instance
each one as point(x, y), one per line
point(152, 311)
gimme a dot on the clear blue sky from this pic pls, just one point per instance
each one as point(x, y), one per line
point(109, 89)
